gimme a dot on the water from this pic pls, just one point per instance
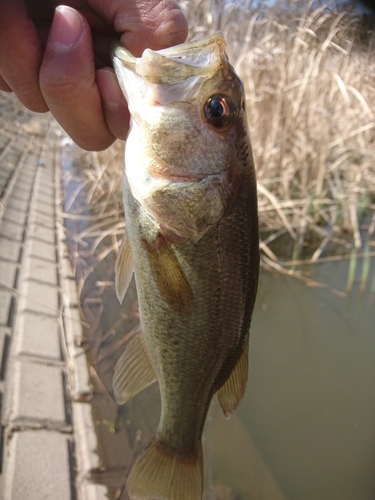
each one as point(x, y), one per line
point(310, 405)
point(305, 428)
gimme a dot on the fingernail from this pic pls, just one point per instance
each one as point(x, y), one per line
point(109, 88)
point(66, 28)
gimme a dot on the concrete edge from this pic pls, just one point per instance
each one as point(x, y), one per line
point(78, 379)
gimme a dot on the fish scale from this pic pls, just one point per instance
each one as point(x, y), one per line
point(192, 241)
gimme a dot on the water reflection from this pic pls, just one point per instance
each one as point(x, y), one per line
point(310, 404)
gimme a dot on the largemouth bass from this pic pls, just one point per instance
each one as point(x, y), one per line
point(192, 240)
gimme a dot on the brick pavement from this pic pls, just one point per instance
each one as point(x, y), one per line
point(48, 441)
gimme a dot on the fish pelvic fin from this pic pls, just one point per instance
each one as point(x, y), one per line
point(169, 275)
point(231, 393)
point(133, 371)
point(123, 268)
point(164, 474)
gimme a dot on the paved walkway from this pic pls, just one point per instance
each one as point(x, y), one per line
point(43, 376)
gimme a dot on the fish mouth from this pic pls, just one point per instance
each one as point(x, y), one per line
point(159, 169)
point(175, 64)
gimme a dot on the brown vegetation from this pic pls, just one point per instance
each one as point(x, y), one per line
point(309, 83)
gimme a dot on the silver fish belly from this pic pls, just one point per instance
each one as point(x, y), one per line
point(192, 241)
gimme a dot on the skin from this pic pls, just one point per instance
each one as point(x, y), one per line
point(56, 58)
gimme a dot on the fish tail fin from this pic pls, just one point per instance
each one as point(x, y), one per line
point(163, 474)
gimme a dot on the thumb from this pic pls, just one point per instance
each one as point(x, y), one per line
point(67, 81)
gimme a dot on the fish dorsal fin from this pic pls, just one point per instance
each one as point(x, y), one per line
point(123, 268)
point(133, 371)
point(169, 276)
point(230, 394)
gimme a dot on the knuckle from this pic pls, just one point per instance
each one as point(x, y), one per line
point(60, 83)
point(30, 96)
point(173, 27)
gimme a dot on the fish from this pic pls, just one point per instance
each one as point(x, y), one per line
point(192, 243)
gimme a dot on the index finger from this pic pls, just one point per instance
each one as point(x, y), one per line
point(21, 54)
point(144, 24)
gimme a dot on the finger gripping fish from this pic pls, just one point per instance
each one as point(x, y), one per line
point(192, 241)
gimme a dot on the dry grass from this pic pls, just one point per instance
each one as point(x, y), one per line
point(311, 105)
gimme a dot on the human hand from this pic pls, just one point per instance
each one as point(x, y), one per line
point(58, 59)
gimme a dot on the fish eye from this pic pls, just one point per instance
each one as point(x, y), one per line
point(219, 111)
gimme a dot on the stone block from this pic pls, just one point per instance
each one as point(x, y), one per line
point(93, 491)
point(14, 215)
point(9, 249)
point(87, 439)
point(41, 298)
point(45, 197)
point(21, 193)
point(47, 182)
point(46, 190)
point(18, 204)
point(5, 305)
point(38, 467)
point(27, 175)
point(42, 270)
point(5, 173)
point(43, 250)
point(37, 395)
point(46, 205)
point(8, 271)
point(4, 179)
point(46, 187)
point(11, 230)
point(45, 220)
point(25, 181)
point(82, 387)
point(38, 335)
point(43, 233)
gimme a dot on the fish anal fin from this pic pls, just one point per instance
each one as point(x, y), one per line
point(123, 268)
point(231, 393)
point(164, 474)
point(169, 276)
point(133, 371)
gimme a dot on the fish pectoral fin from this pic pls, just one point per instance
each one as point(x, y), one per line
point(231, 393)
point(123, 268)
point(169, 275)
point(133, 371)
point(163, 473)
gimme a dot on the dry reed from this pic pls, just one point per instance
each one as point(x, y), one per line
point(311, 105)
